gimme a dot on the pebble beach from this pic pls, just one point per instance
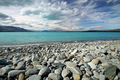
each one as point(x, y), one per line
point(88, 60)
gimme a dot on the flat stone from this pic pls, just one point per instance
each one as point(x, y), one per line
point(85, 78)
point(70, 56)
point(2, 61)
point(93, 66)
point(58, 71)
point(110, 72)
point(76, 77)
point(57, 64)
point(102, 77)
point(66, 78)
point(54, 76)
point(21, 76)
point(66, 73)
point(44, 71)
point(14, 73)
point(5, 70)
point(95, 61)
point(20, 65)
point(75, 70)
point(70, 64)
point(86, 59)
point(74, 51)
point(35, 77)
point(31, 71)
point(34, 57)
point(35, 63)
point(96, 75)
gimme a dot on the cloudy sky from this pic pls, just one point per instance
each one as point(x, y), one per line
point(61, 14)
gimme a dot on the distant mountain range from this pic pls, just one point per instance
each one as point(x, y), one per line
point(17, 29)
point(12, 29)
point(113, 30)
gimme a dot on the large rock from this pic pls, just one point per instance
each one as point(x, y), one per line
point(66, 73)
point(31, 71)
point(54, 76)
point(35, 77)
point(44, 71)
point(110, 72)
point(14, 73)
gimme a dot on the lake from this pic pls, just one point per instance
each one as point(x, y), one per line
point(9, 38)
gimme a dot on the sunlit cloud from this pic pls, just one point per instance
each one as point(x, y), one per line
point(60, 14)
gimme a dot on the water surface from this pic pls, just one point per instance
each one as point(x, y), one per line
point(8, 38)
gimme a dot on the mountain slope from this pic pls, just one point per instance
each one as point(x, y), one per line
point(12, 29)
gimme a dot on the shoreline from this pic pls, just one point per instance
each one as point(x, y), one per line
point(55, 42)
point(87, 60)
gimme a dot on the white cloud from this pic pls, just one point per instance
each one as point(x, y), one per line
point(43, 14)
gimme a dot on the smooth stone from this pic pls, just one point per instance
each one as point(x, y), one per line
point(48, 78)
point(66, 73)
point(96, 75)
point(44, 71)
point(102, 77)
point(54, 76)
point(93, 66)
point(85, 78)
point(34, 63)
point(39, 66)
point(70, 64)
point(66, 78)
point(75, 70)
point(95, 61)
point(74, 51)
point(20, 65)
point(87, 66)
point(86, 59)
point(110, 72)
point(70, 56)
point(58, 71)
point(35, 77)
point(116, 78)
point(14, 60)
point(106, 64)
point(21, 76)
point(31, 71)
point(34, 57)
point(14, 73)
point(57, 64)
point(2, 61)
point(5, 70)
point(76, 77)
point(88, 71)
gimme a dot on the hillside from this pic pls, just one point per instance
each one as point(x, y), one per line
point(12, 29)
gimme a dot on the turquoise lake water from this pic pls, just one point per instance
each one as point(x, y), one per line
point(8, 38)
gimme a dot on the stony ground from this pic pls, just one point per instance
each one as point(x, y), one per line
point(98, 60)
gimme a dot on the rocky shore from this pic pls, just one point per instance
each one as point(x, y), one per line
point(97, 60)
